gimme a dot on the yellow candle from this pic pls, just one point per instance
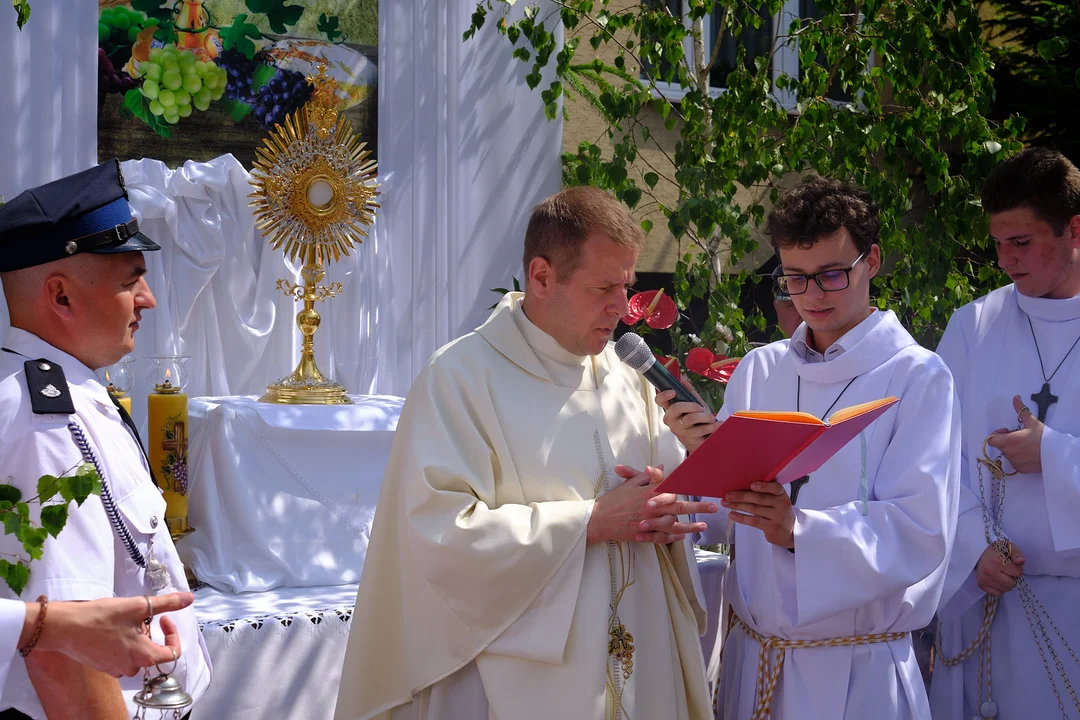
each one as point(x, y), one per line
point(121, 397)
point(167, 415)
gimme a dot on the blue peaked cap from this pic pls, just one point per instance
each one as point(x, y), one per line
point(84, 212)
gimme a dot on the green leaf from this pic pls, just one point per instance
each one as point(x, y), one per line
point(651, 179)
point(33, 541)
point(10, 493)
point(47, 487)
point(237, 110)
point(262, 76)
point(1052, 47)
point(22, 11)
point(280, 16)
point(153, 8)
point(239, 35)
point(647, 225)
point(77, 488)
point(53, 518)
point(136, 104)
point(16, 575)
point(328, 26)
point(13, 523)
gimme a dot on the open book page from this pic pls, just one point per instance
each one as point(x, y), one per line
point(843, 426)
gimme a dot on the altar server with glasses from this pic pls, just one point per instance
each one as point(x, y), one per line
point(832, 572)
point(1010, 625)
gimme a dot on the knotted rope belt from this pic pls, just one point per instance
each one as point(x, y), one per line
point(769, 671)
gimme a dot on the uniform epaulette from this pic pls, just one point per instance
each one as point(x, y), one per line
point(49, 393)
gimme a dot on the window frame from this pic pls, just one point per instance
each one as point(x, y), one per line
point(785, 61)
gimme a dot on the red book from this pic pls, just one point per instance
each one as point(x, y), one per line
point(750, 446)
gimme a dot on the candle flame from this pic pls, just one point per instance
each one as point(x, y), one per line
point(107, 378)
point(168, 374)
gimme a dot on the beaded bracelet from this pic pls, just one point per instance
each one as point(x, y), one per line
point(44, 602)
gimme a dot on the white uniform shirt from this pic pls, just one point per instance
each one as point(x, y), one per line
point(12, 617)
point(87, 561)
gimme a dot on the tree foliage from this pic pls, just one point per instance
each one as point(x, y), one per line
point(914, 132)
point(1035, 47)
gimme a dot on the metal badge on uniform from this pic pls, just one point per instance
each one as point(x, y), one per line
point(157, 575)
point(48, 388)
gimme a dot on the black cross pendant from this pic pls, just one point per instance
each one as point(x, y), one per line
point(796, 486)
point(1044, 400)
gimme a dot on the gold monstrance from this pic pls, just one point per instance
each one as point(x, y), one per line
point(314, 192)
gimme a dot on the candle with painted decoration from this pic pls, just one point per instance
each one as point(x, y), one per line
point(167, 447)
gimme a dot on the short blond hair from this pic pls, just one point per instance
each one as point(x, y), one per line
point(560, 225)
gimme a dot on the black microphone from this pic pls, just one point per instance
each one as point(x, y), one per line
point(633, 351)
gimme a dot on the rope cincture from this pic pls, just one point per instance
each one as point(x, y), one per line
point(769, 672)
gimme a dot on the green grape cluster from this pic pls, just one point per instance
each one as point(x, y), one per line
point(118, 28)
point(175, 80)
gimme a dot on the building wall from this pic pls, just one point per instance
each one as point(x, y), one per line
point(584, 124)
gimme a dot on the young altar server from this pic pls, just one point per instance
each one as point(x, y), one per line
point(829, 582)
point(1015, 359)
point(520, 564)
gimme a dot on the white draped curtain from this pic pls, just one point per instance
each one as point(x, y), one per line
point(215, 285)
point(465, 152)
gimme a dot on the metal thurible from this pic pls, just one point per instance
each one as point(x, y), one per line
point(164, 693)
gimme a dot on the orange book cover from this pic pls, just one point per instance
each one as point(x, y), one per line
point(754, 445)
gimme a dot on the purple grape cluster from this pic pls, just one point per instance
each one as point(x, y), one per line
point(240, 69)
point(111, 79)
point(180, 477)
point(286, 92)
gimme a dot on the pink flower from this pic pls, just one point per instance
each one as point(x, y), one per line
point(702, 361)
point(657, 309)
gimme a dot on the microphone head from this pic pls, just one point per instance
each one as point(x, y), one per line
point(633, 351)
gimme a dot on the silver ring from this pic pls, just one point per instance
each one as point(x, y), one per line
point(149, 609)
point(174, 655)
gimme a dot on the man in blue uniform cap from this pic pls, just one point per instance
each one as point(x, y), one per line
point(72, 267)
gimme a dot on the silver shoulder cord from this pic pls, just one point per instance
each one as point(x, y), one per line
point(156, 573)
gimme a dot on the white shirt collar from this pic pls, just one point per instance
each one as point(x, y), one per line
point(1049, 309)
point(838, 348)
point(76, 373)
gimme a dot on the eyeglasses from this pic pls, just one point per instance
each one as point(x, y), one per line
point(827, 280)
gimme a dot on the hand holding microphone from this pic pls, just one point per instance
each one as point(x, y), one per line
point(686, 414)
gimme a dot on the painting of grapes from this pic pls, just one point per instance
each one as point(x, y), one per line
point(186, 80)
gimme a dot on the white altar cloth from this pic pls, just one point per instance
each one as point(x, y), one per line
point(278, 654)
point(284, 495)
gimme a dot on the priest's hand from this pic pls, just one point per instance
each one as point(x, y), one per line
point(766, 506)
point(691, 423)
point(993, 576)
point(635, 512)
point(1022, 448)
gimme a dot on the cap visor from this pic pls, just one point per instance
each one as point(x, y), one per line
point(136, 242)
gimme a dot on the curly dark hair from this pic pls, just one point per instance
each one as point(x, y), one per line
point(1038, 178)
point(819, 207)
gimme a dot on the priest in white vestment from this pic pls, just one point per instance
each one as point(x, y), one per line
point(516, 570)
point(1011, 350)
point(834, 573)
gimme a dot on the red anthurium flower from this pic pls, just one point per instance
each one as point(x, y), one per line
point(655, 307)
point(715, 367)
point(672, 365)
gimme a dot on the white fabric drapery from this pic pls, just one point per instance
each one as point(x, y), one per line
point(215, 285)
point(48, 83)
point(467, 152)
